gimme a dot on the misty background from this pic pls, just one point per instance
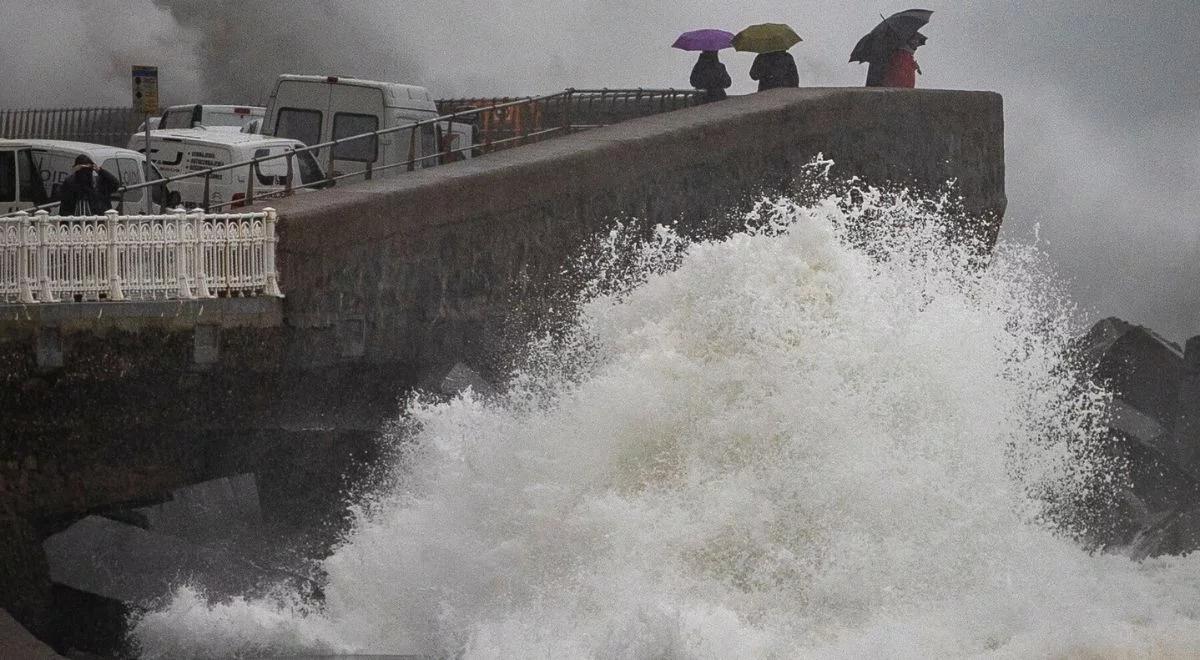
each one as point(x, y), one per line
point(1102, 100)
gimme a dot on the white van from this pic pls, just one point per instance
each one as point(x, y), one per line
point(315, 109)
point(54, 161)
point(220, 117)
point(178, 152)
point(20, 186)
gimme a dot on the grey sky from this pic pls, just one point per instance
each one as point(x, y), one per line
point(1102, 99)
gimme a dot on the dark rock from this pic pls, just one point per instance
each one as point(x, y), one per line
point(216, 509)
point(1154, 420)
point(132, 565)
point(17, 643)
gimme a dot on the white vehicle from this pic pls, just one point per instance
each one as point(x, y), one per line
point(316, 109)
point(20, 186)
point(54, 161)
point(178, 152)
point(218, 117)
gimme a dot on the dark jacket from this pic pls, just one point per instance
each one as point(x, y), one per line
point(875, 73)
point(87, 192)
point(773, 70)
point(710, 75)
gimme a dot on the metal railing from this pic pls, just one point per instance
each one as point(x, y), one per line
point(177, 256)
point(111, 126)
point(499, 123)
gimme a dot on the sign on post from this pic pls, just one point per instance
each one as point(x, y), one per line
point(145, 89)
point(145, 101)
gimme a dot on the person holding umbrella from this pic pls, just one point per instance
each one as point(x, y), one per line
point(902, 69)
point(709, 74)
point(774, 66)
point(888, 49)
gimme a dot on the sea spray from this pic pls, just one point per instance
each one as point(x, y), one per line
point(806, 439)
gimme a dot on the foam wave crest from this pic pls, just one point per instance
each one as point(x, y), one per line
point(806, 439)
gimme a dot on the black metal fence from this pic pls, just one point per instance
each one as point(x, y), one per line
point(111, 126)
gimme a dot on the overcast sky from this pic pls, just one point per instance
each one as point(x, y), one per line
point(1102, 99)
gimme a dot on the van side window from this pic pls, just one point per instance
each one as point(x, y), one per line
point(271, 172)
point(346, 124)
point(302, 125)
point(8, 176)
point(30, 180)
point(310, 171)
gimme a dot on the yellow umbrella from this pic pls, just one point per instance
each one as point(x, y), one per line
point(766, 38)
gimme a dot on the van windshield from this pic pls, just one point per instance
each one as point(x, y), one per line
point(177, 118)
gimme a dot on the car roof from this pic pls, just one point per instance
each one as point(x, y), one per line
point(217, 138)
point(97, 152)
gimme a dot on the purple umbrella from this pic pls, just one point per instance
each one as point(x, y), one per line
point(704, 40)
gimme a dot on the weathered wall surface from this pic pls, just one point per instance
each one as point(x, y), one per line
point(425, 268)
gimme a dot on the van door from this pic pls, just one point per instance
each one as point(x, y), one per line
point(353, 110)
point(9, 201)
point(54, 166)
point(20, 183)
point(298, 110)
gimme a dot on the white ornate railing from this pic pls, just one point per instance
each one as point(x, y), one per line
point(45, 258)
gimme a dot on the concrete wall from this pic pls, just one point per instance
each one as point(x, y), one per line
point(425, 268)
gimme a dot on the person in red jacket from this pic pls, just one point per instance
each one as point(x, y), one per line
point(902, 68)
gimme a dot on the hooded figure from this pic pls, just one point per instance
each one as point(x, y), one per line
point(776, 69)
point(710, 75)
point(88, 191)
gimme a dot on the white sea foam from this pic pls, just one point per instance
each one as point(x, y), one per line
point(772, 445)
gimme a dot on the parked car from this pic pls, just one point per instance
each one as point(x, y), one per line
point(54, 161)
point(178, 152)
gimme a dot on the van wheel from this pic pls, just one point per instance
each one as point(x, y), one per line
point(174, 200)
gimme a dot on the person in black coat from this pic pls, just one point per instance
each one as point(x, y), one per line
point(89, 189)
point(710, 75)
point(773, 70)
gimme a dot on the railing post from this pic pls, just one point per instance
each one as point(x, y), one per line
point(24, 291)
point(196, 217)
point(249, 181)
point(329, 170)
point(568, 100)
point(412, 149)
point(204, 201)
point(45, 292)
point(287, 185)
point(114, 274)
point(271, 287)
point(181, 277)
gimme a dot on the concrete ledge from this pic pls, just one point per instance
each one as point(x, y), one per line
point(21, 321)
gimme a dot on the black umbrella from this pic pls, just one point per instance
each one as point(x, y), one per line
point(895, 31)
